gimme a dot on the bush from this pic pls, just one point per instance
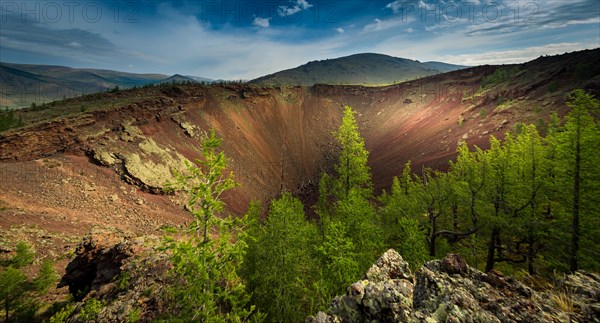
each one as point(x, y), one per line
point(23, 255)
point(90, 309)
point(63, 314)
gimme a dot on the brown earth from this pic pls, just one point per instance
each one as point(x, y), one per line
point(108, 167)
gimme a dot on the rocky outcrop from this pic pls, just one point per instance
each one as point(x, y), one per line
point(448, 290)
point(125, 274)
point(97, 261)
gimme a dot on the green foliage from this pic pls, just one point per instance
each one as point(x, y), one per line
point(14, 288)
point(9, 120)
point(90, 310)
point(352, 170)
point(134, 315)
point(45, 278)
point(63, 314)
point(18, 294)
point(283, 262)
point(340, 260)
point(576, 165)
point(205, 261)
point(23, 255)
point(501, 74)
point(122, 280)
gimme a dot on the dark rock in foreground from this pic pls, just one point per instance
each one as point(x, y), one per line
point(448, 290)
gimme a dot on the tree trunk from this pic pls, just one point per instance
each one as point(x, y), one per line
point(489, 264)
point(455, 221)
point(433, 234)
point(530, 252)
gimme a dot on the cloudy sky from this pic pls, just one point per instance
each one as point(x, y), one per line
point(244, 39)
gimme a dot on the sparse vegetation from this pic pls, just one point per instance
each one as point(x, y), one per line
point(501, 74)
point(563, 300)
point(9, 120)
point(63, 314)
point(19, 294)
point(90, 310)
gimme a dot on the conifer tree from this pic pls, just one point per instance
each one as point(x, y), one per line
point(577, 160)
point(352, 170)
point(284, 262)
point(205, 261)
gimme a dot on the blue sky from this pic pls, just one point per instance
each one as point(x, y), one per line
point(245, 39)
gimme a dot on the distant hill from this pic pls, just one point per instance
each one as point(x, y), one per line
point(445, 67)
point(22, 84)
point(178, 78)
point(365, 69)
point(199, 79)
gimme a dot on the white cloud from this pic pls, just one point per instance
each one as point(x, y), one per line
point(409, 30)
point(385, 24)
point(511, 56)
point(75, 44)
point(426, 6)
point(394, 6)
point(297, 6)
point(340, 30)
point(262, 22)
point(375, 26)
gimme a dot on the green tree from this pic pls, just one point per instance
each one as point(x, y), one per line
point(577, 159)
point(205, 261)
point(352, 170)
point(19, 296)
point(283, 262)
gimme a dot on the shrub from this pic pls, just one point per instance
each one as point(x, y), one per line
point(23, 255)
point(63, 314)
point(90, 309)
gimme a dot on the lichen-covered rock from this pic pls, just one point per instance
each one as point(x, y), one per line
point(385, 295)
point(448, 290)
point(389, 266)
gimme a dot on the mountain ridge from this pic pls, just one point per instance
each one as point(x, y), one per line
point(357, 69)
point(24, 84)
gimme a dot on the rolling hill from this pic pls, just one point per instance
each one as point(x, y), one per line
point(359, 69)
point(22, 84)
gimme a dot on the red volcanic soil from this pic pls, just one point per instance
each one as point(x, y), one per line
point(276, 137)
